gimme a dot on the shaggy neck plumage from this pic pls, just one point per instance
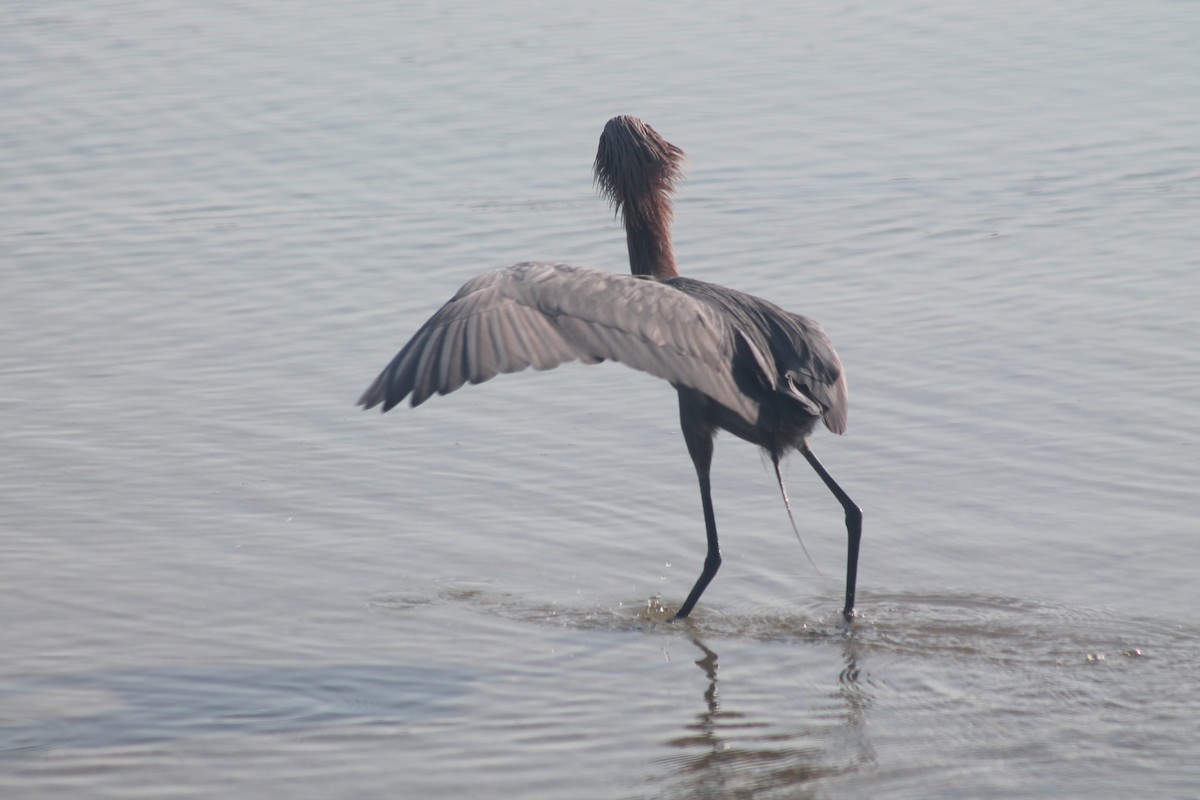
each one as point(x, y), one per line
point(636, 170)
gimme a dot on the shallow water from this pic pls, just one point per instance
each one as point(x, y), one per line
point(220, 578)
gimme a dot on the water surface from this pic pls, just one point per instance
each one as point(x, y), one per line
point(220, 578)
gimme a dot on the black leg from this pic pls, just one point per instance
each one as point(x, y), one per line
point(700, 445)
point(853, 530)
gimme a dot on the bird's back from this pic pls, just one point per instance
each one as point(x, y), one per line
point(784, 360)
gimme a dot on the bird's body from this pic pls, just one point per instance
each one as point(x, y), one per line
point(738, 362)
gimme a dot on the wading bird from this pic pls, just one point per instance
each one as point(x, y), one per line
point(739, 363)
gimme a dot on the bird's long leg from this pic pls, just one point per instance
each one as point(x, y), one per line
point(853, 529)
point(700, 445)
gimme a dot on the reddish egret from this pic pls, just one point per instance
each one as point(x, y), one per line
point(739, 363)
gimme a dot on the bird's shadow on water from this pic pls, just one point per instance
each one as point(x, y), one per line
point(130, 707)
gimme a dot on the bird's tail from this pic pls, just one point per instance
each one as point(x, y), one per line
point(788, 505)
point(636, 169)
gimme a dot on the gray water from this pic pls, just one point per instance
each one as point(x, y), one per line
point(219, 578)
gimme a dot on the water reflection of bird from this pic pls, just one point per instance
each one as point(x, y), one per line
point(739, 363)
point(746, 750)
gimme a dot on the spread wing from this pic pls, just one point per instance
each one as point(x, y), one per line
point(542, 315)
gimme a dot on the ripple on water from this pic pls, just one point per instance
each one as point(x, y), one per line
point(964, 625)
point(145, 706)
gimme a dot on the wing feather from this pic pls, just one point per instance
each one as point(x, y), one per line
point(451, 371)
point(424, 371)
point(507, 340)
point(470, 348)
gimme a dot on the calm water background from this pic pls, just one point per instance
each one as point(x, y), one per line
point(219, 578)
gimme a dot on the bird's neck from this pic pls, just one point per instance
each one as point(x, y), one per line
point(650, 250)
